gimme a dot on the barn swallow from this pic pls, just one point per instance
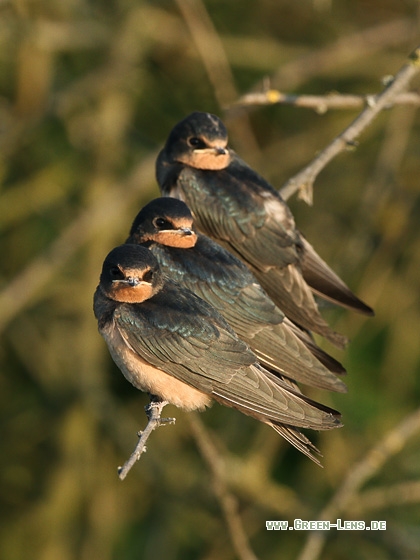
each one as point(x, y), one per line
point(165, 226)
point(172, 344)
point(238, 208)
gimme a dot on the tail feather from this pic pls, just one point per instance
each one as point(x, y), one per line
point(298, 440)
point(305, 336)
point(290, 292)
point(281, 350)
point(325, 283)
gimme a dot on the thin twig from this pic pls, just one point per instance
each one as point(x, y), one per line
point(303, 181)
point(392, 443)
point(319, 103)
point(227, 500)
point(153, 412)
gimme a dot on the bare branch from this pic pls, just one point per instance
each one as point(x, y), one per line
point(153, 412)
point(391, 444)
point(320, 103)
point(227, 500)
point(303, 181)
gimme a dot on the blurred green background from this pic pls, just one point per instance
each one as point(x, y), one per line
point(89, 91)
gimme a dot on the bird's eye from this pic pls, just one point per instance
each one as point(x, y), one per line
point(196, 142)
point(147, 276)
point(161, 223)
point(116, 273)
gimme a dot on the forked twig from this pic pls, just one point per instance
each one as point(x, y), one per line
point(304, 180)
point(153, 412)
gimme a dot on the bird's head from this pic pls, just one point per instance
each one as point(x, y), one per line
point(130, 274)
point(200, 141)
point(167, 221)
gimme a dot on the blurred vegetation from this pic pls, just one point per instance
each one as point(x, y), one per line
point(88, 93)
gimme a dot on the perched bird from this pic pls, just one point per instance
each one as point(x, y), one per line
point(238, 208)
point(172, 344)
point(195, 261)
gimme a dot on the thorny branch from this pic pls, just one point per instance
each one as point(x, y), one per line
point(153, 412)
point(304, 180)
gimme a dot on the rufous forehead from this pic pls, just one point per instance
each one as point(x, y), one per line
point(135, 272)
point(182, 222)
point(174, 239)
point(215, 143)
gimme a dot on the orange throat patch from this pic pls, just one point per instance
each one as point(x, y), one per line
point(206, 159)
point(176, 239)
point(132, 294)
